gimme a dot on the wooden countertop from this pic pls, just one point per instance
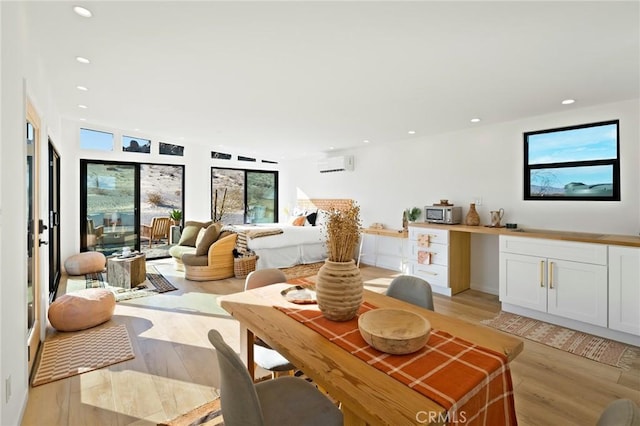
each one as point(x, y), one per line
point(585, 237)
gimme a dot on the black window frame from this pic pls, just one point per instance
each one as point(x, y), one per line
point(614, 162)
point(276, 194)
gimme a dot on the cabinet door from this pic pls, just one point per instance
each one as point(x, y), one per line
point(523, 281)
point(578, 291)
point(624, 289)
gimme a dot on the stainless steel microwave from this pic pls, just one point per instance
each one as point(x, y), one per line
point(443, 214)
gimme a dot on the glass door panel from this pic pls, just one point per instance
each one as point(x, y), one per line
point(261, 197)
point(227, 195)
point(110, 207)
point(161, 188)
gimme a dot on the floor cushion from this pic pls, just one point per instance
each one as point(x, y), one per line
point(85, 263)
point(82, 309)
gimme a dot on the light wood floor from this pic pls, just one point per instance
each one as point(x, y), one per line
point(175, 369)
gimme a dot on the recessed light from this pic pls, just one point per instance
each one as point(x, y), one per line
point(83, 119)
point(331, 148)
point(365, 141)
point(412, 132)
point(475, 120)
point(83, 88)
point(136, 130)
point(83, 106)
point(82, 60)
point(85, 13)
point(568, 101)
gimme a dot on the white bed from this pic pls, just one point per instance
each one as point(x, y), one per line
point(296, 244)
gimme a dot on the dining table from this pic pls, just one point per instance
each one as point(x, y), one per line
point(367, 395)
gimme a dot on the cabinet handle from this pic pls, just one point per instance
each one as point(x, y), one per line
point(541, 273)
point(430, 273)
point(551, 275)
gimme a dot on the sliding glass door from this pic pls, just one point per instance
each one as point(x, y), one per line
point(110, 203)
point(244, 196)
point(121, 202)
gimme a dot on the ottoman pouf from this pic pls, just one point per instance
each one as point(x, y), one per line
point(85, 263)
point(82, 309)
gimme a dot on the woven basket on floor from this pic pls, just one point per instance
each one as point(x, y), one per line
point(242, 266)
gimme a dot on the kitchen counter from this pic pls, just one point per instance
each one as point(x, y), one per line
point(585, 237)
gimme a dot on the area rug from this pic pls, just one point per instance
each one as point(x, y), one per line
point(208, 414)
point(84, 351)
point(154, 284)
point(298, 271)
point(586, 345)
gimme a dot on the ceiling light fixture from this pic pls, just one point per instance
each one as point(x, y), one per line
point(83, 106)
point(331, 148)
point(568, 101)
point(81, 11)
point(83, 88)
point(475, 120)
point(83, 119)
point(82, 60)
point(366, 141)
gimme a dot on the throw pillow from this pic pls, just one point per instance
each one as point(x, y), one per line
point(209, 236)
point(299, 221)
point(189, 235)
point(311, 218)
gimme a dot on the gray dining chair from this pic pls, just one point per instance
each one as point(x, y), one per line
point(411, 289)
point(263, 355)
point(282, 401)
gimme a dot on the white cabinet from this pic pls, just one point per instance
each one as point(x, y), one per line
point(386, 248)
point(566, 279)
point(624, 289)
point(441, 257)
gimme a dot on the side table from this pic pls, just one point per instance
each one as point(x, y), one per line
point(126, 272)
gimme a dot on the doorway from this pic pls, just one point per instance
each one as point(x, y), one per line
point(54, 221)
point(34, 228)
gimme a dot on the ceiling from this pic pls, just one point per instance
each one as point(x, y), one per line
point(285, 79)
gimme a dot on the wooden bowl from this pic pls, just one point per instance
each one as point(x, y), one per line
point(394, 331)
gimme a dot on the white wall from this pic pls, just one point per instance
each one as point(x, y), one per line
point(22, 77)
point(485, 161)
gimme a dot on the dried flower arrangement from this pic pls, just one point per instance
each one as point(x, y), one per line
point(342, 229)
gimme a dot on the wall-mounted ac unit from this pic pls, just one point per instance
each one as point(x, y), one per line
point(336, 164)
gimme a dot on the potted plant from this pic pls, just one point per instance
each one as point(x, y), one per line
point(176, 216)
point(339, 288)
point(413, 214)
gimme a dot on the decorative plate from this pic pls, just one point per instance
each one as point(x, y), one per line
point(300, 295)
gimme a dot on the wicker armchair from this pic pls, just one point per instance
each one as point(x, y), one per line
point(217, 264)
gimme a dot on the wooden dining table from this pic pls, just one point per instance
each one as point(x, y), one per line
point(367, 395)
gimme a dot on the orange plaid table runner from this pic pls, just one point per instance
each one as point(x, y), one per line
point(471, 382)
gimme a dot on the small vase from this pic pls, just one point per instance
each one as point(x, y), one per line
point(339, 290)
point(472, 218)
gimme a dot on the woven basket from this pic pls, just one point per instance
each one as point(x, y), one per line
point(242, 266)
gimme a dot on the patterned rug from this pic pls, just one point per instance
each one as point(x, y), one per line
point(154, 284)
point(82, 352)
point(586, 345)
point(208, 414)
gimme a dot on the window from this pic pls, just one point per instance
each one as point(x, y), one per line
point(93, 139)
point(573, 163)
point(170, 149)
point(244, 196)
point(130, 144)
